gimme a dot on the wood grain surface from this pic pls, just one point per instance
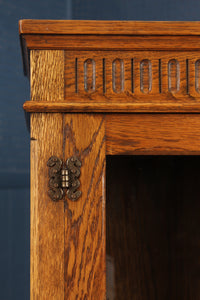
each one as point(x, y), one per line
point(98, 42)
point(123, 107)
point(67, 238)
point(47, 217)
point(84, 136)
point(47, 75)
point(109, 27)
point(153, 134)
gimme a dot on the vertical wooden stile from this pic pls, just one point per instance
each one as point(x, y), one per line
point(85, 269)
point(47, 217)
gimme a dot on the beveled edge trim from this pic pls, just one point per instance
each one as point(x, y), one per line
point(82, 107)
point(29, 26)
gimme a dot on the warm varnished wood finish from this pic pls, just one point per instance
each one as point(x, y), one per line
point(47, 217)
point(85, 265)
point(149, 66)
point(47, 75)
point(124, 107)
point(77, 235)
point(108, 27)
point(132, 76)
point(98, 42)
point(155, 134)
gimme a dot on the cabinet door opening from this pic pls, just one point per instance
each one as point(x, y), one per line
point(153, 227)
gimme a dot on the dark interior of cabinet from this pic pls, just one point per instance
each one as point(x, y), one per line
point(153, 227)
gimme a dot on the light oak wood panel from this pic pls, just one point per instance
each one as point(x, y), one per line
point(156, 134)
point(47, 75)
point(84, 136)
point(47, 217)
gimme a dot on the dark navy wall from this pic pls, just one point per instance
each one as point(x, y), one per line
point(156, 10)
point(14, 137)
point(14, 145)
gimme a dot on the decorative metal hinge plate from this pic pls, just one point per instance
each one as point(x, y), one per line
point(64, 176)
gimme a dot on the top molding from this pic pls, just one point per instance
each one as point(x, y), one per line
point(97, 35)
point(116, 66)
point(109, 27)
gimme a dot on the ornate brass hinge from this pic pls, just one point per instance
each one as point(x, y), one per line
point(64, 176)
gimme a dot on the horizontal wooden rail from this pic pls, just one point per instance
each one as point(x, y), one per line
point(44, 106)
point(157, 134)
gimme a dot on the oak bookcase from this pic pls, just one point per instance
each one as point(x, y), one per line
point(121, 98)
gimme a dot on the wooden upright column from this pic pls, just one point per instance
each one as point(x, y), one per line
point(67, 238)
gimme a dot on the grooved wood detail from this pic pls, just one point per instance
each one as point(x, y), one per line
point(47, 217)
point(89, 75)
point(47, 75)
point(118, 75)
point(84, 136)
point(131, 76)
point(155, 134)
point(197, 75)
point(146, 76)
point(173, 76)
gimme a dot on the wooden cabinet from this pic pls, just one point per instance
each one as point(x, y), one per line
point(124, 99)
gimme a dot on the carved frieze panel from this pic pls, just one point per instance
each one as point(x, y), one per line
point(132, 76)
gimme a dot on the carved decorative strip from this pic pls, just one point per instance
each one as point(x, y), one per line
point(132, 76)
point(89, 75)
point(124, 76)
point(118, 75)
point(160, 75)
point(187, 76)
point(145, 76)
point(173, 76)
point(104, 75)
point(76, 75)
point(197, 76)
